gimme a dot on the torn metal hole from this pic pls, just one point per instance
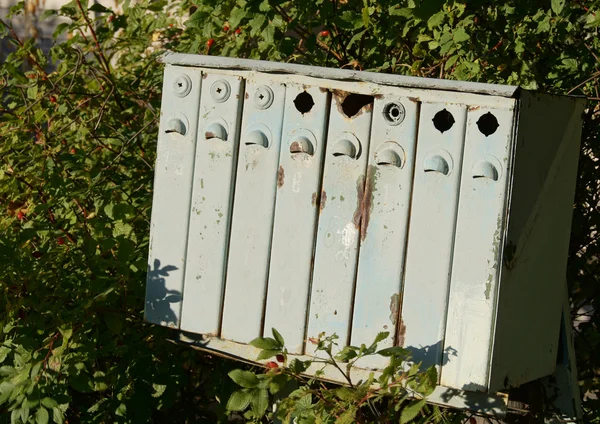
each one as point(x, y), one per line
point(353, 103)
point(443, 121)
point(487, 124)
point(304, 102)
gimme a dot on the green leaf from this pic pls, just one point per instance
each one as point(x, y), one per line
point(41, 416)
point(4, 351)
point(436, 19)
point(197, 20)
point(346, 354)
point(58, 415)
point(267, 353)
point(348, 416)
point(243, 378)
point(6, 390)
point(460, 35)
point(24, 412)
point(450, 62)
point(278, 337)
point(393, 351)
point(49, 403)
point(97, 7)
point(411, 411)
point(265, 343)
point(236, 16)
point(239, 401)
point(260, 402)
point(557, 6)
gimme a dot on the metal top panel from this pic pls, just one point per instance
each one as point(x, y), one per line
point(219, 62)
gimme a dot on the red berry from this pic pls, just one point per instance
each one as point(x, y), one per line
point(271, 365)
point(324, 33)
point(225, 28)
point(60, 240)
point(280, 358)
point(210, 43)
point(238, 31)
point(110, 18)
point(53, 99)
point(73, 150)
point(20, 216)
point(37, 254)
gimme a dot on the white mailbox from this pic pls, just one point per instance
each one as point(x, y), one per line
point(323, 200)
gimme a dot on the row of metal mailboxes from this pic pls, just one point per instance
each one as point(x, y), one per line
point(292, 203)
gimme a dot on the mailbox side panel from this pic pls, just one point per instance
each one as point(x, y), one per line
point(172, 195)
point(537, 240)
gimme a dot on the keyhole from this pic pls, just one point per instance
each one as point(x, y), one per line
point(261, 96)
point(179, 84)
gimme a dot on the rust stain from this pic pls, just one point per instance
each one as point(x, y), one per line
point(473, 108)
point(280, 177)
point(209, 134)
point(247, 95)
point(237, 96)
point(400, 333)
point(367, 203)
point(204, 75)
point(322, 201)
point(414, 99)
point(360, 190)
point(314, 199)
point(378, 96)
point(396, 318)
point(394, 306)
point(323, 89)
point(295, 147)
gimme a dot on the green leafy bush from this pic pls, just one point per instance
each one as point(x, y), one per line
point(396, 395)
point(77, 145)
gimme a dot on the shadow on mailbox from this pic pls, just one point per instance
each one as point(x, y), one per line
point(158, 297)
point(429, 355)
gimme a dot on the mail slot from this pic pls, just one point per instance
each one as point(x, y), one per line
point(321, 200)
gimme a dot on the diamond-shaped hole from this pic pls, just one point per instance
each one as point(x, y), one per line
point(304, 102)
point(487, 124)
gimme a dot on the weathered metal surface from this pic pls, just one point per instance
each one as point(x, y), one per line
point(171, 200)
point(338, 74)
point(253, 210)
point(210, 214)
point(296, 212)
point(385, 222)
point(431, 234)
point(340, 218)
point(477, 260)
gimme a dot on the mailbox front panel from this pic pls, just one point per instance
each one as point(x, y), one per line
point(172, 195)
point(385, 221)
point(296, 212)
point(341, 211)
point(431, 234)
point(478, 246)
point(210, 214)
point(253, 209)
